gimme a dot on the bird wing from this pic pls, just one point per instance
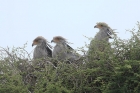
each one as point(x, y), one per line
point(49, 51)
point(69, 47)
point(109, 32)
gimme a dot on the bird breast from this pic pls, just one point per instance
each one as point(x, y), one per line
point(101, 35)
point(39, 52)
point(59, 52)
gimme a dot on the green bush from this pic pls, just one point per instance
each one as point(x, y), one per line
point(117, 71)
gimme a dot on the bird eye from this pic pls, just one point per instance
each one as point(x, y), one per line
point(58, 38)
point(35, 40)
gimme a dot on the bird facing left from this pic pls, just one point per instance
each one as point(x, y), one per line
point(62, 51)
point(42, 49)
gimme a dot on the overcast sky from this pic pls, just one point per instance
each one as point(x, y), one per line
point(23, 20)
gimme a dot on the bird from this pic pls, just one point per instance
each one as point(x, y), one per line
point(62, 51)
point(104, 33)
point(101, 39)
point(42, 49)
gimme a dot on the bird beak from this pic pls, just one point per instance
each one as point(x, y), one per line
point(32, 44)
point(95, 26)
point(52, 41)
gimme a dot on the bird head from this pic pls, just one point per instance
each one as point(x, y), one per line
point(58, 39)
point(38, 40)
point(101, 25)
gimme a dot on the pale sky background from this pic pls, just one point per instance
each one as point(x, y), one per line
point(23, 20)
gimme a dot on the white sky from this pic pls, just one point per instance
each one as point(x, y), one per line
point(24, 20)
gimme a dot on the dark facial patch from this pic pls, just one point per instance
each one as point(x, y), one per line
point(37, 39)
point(101, 25)
point(57, 38)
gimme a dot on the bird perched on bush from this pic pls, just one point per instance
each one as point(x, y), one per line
point(101, 39)
point(104, 33)
point(43, 49)
point(62, 51)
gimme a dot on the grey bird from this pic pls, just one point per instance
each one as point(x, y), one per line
point(105, 32)
point(101, 39)
point(62, 51)
point(42, 49)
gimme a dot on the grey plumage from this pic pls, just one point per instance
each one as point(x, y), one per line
point(104, 33)
point(43, 49)
point(101, 39)
point(62, 51)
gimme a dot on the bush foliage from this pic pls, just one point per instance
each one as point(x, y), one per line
point(117, 71)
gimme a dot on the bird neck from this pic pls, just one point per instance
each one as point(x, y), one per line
point(42, 44)
point(103, 28)
point(62, 42)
